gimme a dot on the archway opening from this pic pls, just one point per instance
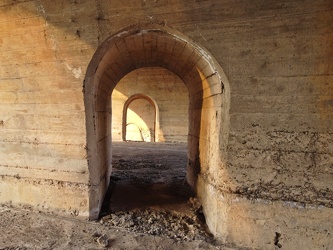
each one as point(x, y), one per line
point(155, 46)
point(164, 91)
point(139, 119)
point(150, 174)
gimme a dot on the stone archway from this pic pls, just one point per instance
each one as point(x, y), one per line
point(150, 45)
point(156, 115)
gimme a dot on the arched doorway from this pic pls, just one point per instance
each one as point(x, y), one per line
point(164, 90)
point(152, 45)
point(140, 119)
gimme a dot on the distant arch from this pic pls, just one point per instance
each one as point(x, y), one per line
point(156, 114)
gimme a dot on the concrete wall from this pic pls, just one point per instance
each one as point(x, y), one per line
point(271, 182)
point(42, 133)
point(171, 100)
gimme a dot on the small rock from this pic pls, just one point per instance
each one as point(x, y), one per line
point(103, 240)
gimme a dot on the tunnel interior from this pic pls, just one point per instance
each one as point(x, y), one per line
point(147, 47)
point(149, 141)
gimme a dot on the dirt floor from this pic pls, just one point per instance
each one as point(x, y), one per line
point(148, 206)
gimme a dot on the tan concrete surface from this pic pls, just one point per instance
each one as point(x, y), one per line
point(259, 76)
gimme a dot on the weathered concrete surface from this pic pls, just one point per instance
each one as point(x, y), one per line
point(42, 127)
point(264, 224)
point(275, 140)
point(45, 194)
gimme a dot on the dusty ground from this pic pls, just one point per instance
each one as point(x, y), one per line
point(149, 206)
point(149, 192)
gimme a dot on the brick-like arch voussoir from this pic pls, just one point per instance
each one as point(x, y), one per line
point(150, 45)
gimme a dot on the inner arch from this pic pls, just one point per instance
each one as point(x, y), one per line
point(154, 46)
point(125, 110)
